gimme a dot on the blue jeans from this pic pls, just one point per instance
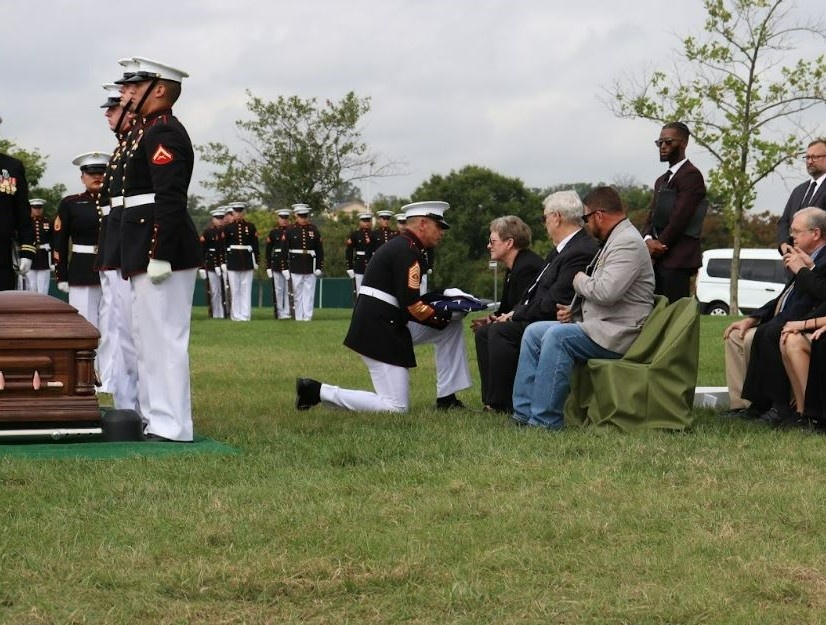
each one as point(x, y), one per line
point(547, 357)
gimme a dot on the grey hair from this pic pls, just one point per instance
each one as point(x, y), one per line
point(511, 227)
point(566, 203)
point(815, 218)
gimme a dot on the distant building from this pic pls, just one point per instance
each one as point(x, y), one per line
point(350, 208)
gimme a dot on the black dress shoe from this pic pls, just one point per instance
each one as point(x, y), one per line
point(448, 402)
point(156, 438)
point(307, 393)
point(771, 417)
point(741, 413)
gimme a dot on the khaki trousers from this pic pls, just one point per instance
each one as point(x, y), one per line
point(738, 351)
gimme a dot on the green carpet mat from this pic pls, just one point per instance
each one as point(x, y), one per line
point(92, 448)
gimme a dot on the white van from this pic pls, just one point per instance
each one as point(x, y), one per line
point(762, 278)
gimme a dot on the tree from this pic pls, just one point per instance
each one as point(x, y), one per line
point(742, 103)
point(296, 151)
point(33, 161)
point(476, 196)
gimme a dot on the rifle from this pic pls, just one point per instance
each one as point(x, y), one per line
point(274, 298)
point(224, 300)
point(208, 288)
point(227, 293)
point(291, 295)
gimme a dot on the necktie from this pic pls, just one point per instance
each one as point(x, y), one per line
point(666, 177)
point(809, 193)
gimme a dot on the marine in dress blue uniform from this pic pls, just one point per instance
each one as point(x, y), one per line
point(241, 244)
point(278, 269)
point(41, 272)
point(390, 317)
point(213, 249)
point(305, 251)
point(76, 230)
point(15, 222)
point(160, 248)
point(116, 352)
point(359, 249)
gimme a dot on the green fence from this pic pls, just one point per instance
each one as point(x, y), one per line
point(329, 293)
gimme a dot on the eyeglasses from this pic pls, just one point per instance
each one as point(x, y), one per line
point(587, 216)
point(813, 157)
point(659, 142)
point(492, 241)
point(794, 231)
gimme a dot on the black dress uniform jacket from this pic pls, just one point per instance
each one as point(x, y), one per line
point(15, 218)
point(244, 237)
point(276, 250)
point(378, 329)
point(77, 223)
point(359, 249)
point(42, 228)
point(305, 249)
point(212, 246)
point(159, 160)
point(382, 235)
point(109, 241)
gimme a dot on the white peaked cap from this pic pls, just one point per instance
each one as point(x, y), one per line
point(434, 210)
point(91, 159)
point(147, 69)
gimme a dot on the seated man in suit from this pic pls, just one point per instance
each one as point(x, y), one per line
point(754, 368)
point(612, 300)
point(497, 349)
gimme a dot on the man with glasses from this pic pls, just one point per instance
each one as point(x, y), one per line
point(810, 193)
point(672, 230)
point(754, 367)
point(612, 299)
point(390, 317)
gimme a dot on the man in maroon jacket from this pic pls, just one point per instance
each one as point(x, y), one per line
point(672, 230)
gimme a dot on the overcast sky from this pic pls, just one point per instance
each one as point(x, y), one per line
point(513, 85)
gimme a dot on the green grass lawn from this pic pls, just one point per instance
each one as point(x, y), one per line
point(332, 517)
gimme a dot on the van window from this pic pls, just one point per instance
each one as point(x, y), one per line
point(719, 268)
point(760, 269)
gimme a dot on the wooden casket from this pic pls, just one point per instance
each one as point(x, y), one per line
point(47, 353)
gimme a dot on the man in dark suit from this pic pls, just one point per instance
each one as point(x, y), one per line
point(672, 230)
point(754, 367)
point(810, 193)
point(497, 348)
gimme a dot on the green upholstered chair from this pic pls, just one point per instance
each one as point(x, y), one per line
point(652, 385)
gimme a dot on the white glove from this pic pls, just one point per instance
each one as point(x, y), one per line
point(286, 274)
point(202, 274)
point(453, 292)
point(254, 263)
point(223, 267)
point(23, 266)
point(158, 270)
point(350, 273)
point(63, 286)
point(269, 273)
point(217, 270)
point(317, 272)
point(429, 271)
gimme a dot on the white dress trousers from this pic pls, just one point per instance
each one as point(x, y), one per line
point(215, 295)
point(37, 281)
point(160, 322)
point(391, 383)
point(116, 327)
point(240, 285)
point(304, 295)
